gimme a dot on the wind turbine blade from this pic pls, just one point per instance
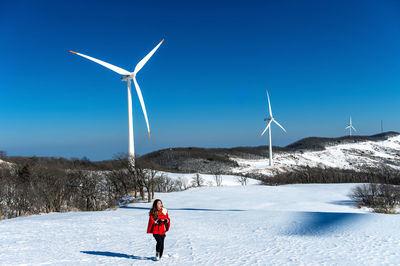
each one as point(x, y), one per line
point(146, 58)
point(269, 105)
point(107, 65)
point(353, 128)
point(139, 93)
point(347, 127)
point(279, 125)
point(269, 124)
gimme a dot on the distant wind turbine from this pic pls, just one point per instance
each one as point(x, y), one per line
point(128, 76)
point(350, 126)
point(271, 119)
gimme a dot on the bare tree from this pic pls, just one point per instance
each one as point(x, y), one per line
point(6, 193)
point(163, 183)
point(183, 182)
point(382, 198)
point(197, 180)
point(242, 180)
point(218, 179)
point(50, 188)
point(149, 179)
point(134, 174)
point(140, 179)
point(159, 183)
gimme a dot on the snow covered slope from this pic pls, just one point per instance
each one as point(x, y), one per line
point(231, 225)
point(345, 156)
point(5, 163)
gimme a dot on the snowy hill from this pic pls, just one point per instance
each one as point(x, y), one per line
point(354, 156)
point(347, 152)
point(4, 163)
point(232, 225)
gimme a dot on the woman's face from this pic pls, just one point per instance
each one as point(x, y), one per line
point(159, 205)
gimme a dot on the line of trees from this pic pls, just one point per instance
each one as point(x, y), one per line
point(41, 188)
point(42, 185)
point(306, 175)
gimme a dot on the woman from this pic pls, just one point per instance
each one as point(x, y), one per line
point(159, 223)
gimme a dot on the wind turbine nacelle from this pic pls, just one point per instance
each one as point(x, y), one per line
point(267, 119)
point(126, 77)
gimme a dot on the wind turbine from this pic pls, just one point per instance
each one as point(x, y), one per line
point(128, 76)
point(350, 126)
point(271, 119)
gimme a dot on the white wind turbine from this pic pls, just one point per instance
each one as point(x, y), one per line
point(350, 126)
point(128, 76)
point(271, 119)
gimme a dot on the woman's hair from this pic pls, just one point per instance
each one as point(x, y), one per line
point(153, 211)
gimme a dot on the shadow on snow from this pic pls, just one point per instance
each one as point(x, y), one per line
point(117, 255)
point(320, 223)
point(350, 203)
point(185, 209)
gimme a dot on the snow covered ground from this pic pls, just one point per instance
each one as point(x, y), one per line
point(209, 180)
point(345, 156)
point(313, 224)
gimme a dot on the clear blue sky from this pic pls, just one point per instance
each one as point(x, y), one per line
point(322, 61)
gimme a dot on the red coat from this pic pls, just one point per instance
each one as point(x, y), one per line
point(159, 228)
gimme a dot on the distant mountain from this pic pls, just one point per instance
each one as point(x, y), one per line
point(233, 160)
point(317, 143)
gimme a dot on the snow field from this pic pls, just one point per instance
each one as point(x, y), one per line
point(313, 224)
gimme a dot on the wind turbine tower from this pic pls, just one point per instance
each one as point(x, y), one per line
point(270, 120)
point(128, 77)
point(350, 126)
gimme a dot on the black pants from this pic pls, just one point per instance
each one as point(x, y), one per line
point(160, 243)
